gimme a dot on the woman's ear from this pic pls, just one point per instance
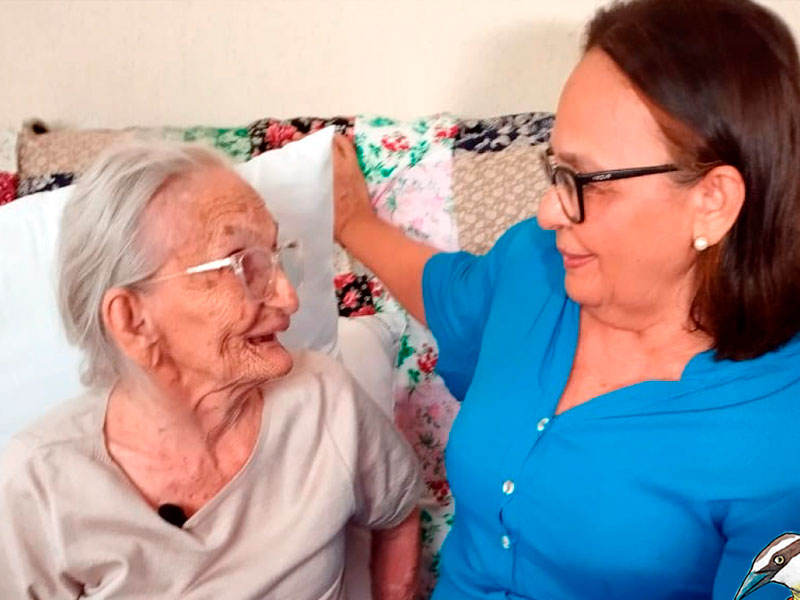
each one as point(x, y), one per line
point(127, 322)
point(718, 200)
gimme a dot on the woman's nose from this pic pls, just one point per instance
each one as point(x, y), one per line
point(284, 296)
point(551, 214)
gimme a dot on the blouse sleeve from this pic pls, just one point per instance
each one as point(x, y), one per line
point(28, 556)
point(748, 529)
point(459, 289)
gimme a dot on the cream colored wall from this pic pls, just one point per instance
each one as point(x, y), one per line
point(152, 62)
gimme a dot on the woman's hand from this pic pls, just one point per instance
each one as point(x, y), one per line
point(397, 260)
point(350, 196)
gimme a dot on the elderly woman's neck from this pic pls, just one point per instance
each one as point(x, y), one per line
point(173, 415)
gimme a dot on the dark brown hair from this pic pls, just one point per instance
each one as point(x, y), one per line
point(724, 79)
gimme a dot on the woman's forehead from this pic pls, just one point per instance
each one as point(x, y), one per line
point(602, 118)
point(244, 219)
point(232, 210)
point(214, 205)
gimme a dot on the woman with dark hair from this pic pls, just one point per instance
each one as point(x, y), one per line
point(628, 361)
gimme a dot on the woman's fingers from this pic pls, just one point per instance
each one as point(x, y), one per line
point(350, 194)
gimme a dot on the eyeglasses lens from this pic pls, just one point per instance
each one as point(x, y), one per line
point(567, 193)
point(290, 259)
point(564, 185)
point(258, 272)
point(259, 268)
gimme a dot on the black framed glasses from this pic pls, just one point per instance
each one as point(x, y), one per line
point(569, 183)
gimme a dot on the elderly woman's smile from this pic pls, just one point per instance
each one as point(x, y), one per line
point(213, 325)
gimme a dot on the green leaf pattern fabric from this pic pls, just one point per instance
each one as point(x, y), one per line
point(408, 166)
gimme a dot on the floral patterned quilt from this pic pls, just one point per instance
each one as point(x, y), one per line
point(409, 168)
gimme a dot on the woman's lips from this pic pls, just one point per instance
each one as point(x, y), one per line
point(269, 336)
point(262, 339)
point(573, 261)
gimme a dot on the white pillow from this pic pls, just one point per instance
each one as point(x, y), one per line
point(297, 184)
point(38, 368)
point(368, 349)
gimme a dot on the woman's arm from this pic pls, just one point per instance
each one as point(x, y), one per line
point(394, 562)
point(396, 260)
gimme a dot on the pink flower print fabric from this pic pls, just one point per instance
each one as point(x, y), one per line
point(8, 187)
point(409, 171)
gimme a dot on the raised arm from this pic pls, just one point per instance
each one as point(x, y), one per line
point(397, 260)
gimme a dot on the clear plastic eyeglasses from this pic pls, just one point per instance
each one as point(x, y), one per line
point(256, 268)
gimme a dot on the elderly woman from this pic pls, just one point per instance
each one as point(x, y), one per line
point(207, 461)
point(628, 361)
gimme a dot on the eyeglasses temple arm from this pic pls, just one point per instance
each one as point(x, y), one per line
point(210, 266)
point(599, 176)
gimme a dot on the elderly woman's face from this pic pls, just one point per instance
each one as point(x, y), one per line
point(634, 248)
point(209, 330)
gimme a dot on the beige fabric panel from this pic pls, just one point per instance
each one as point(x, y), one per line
point(62, 151)
point(493, 191)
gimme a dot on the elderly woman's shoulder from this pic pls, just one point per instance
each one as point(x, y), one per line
point(73, 425)
point(318, 389)
point(320, 364)
point(312, 370)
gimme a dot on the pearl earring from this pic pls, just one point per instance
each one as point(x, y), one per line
point(700, 243)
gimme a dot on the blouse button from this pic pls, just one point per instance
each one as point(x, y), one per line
point(506, 542)
point(508, 487)
point(542, 424)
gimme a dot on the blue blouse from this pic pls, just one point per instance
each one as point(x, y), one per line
point(663, 489)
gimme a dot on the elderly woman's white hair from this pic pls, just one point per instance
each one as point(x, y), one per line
point(104, 244)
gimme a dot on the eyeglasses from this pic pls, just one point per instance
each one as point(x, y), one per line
point(568, 183)
point(256, 268)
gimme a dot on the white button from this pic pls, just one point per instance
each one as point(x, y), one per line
point(508, 487)
point(506, 542)
point(542, 424)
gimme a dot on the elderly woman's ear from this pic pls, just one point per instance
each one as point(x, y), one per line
point(128, 323)
point(718, 200)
